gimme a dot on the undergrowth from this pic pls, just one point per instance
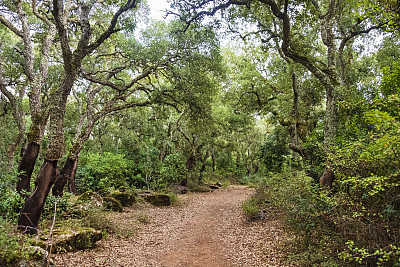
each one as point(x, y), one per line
point(14, 246)
point(330, 230)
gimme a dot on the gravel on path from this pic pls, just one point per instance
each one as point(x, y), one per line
point(207, 229)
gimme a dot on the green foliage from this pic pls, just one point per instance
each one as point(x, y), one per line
point(368, 181)
point(275, 150)
point(173, 170)
point(389, 255)
point(251, 208)
point(307, 212)
point(10, 201)
point(100, 171)
point(14, 246)
point(64, 203)
point(391, 79)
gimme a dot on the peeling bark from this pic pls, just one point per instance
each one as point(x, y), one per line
point(67, 174)
point(32, 210)
point(26, 167)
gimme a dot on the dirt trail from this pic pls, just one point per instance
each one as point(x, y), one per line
point(207, 230)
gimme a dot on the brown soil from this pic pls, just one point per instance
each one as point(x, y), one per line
point(208, 229)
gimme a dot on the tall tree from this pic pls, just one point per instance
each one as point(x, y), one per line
point(20, 18)
point(81, 32)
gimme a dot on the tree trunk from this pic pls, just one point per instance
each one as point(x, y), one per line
point(203, 165)
point(67, 175)
point(213, 161)
point(256, 169)
point(330, 129)
point(13, 147)
point(30, 213)
point(26, 166)
point(190, 165)
point(71, 181)
point(327, 177)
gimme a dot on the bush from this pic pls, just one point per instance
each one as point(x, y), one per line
point(11, 203)
point(173, 170)
point(307, 214)
point(64, 204)
point(14, 246)
point(274, 151)
point(100, 171)
point(251, 208)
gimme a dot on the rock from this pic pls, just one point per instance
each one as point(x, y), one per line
point(77, 211)
point(179, 189)
point(36, 253)
point(111, 203)
point(91, 198)
point(201, 188)
point(105, 192)
point(159, 200)
point(67, 240)
point(125, 199)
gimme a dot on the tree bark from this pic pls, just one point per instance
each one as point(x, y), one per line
point(67, 175)
point(26, 167)
point(30, 213)
point(327, 177)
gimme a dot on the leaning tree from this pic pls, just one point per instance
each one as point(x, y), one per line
point(81, 29)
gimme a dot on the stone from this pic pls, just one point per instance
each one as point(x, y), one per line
point(105, 192)
point(68, 240)
point(111, 203)
point(91, 198)
point(179, 189)
point(159, 200)
point(125, 199)
point(213, 186)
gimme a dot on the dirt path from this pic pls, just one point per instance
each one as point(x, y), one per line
point(207, 230)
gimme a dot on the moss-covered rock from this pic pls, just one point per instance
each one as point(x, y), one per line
point(111, 203)
point(105, 192)
point(91, 198)
point(159, 199)
point(66, 240)
point(125, 199)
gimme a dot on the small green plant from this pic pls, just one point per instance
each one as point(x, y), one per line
point(64, 204)
point(143, 217)
point(173, 198)
point(14, 246)
point(251, 208)
point(99, 221)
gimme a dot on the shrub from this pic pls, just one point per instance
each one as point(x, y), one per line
point(100, 171)
point(251, 208)
point(173, 170)
point(14, 246)
point(64, 204)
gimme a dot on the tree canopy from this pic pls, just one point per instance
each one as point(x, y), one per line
point(96, 96)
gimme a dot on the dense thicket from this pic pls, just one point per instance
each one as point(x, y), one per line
point(304, 102)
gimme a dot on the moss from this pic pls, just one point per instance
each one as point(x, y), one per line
point(159, 199)
point(125, 199)
point(111, 203)
point(105, 192)
point(90, 197)
point(66, 240)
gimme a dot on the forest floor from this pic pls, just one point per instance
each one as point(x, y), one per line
point(205, 229)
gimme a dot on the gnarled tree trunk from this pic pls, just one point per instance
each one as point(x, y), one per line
point(26, 167)
point(30, 214)
point(67, 174)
